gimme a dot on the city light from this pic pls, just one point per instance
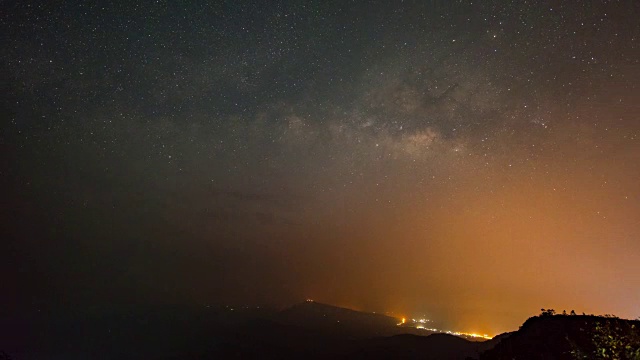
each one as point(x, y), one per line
point(417, 323)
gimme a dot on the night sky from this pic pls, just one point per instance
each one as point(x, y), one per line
point(470, 161)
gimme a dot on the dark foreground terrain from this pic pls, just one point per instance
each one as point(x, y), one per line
point(570, 337)
point(307, 330)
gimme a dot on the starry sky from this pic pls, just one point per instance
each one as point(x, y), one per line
point(470, 161)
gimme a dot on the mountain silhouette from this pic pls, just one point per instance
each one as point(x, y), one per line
point(338, 320)
point(307, 330)
point(559, 337)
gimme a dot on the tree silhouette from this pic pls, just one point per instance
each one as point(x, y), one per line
point(547, 312)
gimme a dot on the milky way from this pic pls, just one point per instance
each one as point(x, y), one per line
point(472, 162)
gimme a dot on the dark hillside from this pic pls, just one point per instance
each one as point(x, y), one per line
point(436, 347)
point(570, 337)
point(337, 320)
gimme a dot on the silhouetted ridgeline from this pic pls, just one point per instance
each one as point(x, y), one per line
point(570, 337)
point(308, 330)
point(337, 320)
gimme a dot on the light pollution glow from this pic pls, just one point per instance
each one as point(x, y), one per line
point(474, 161)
